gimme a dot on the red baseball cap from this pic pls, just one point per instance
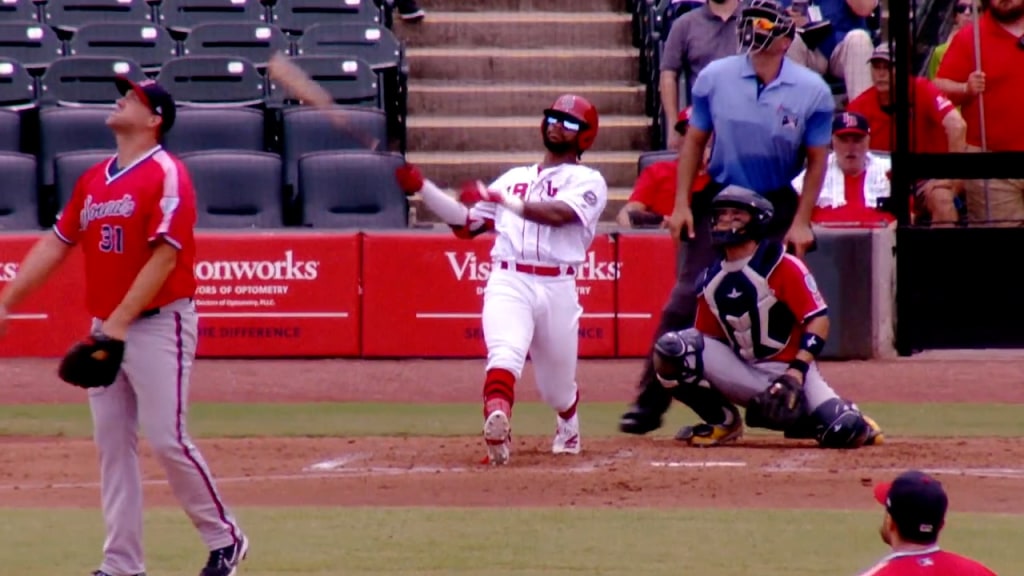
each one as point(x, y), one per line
point(917, 504)
point(683, 120)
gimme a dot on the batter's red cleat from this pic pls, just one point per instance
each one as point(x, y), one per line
point(498, 431)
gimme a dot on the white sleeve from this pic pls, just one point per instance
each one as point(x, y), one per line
point(587, 196)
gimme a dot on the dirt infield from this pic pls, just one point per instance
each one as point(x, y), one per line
point(982, 474)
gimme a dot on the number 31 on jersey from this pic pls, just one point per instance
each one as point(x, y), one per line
point(112, 239)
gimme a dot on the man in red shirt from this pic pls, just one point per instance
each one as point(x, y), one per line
point(915, 513)
point(938, 128)
point(654, 194)
point(1001, 32)
point(134, 216)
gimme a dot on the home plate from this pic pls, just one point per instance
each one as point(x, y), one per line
point(698, 464)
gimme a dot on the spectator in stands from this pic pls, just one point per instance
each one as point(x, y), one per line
point(654, 194)
point(1000, 78)
point(938, 128)
point(961, 18)
point(697, 38)
point(834, 39)
point(856, 181)
point(409, 10)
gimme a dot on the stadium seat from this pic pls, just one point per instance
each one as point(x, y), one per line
point(66, 129)
point(184, 15)
point(212, 81)
point(147, 44)
point(19, 208)
point(295, 16)
point(648, 158)
point(73, 14)
point(352, 190)
point(375, 44)
point(17, 87)
point(34, 45)
point(77, 80)
point(349, 81)
point(255, 42)
point(234, 128)
point(68, 167)
point(10, 131)
point(236, 189)
point(19, 11)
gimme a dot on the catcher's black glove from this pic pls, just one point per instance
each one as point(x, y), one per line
point(92, 363)
point(779, 406)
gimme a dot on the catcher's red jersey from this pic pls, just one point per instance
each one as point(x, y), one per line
point(929, 562)
point(118, 215)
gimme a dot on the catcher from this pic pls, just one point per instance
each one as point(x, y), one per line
point(761, 322)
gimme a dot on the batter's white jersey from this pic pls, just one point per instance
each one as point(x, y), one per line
point(582, 188)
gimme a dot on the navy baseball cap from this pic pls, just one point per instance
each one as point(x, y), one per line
point(850, 123)
point(153, 95)
point(917, 504)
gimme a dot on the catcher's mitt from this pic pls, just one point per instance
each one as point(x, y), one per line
point(92, 363)
point(779, 406)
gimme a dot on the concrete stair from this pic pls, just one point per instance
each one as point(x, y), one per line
point(481, 72)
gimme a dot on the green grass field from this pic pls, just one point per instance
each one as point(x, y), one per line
point(497, 542)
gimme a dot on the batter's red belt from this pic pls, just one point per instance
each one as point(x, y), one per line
point(538, 270)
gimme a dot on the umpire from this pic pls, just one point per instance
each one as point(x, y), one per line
point(768, 115)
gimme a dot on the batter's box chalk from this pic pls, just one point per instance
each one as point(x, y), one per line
point(698, 464)
point(334, 463)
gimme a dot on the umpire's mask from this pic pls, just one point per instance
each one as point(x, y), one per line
point(761, 23)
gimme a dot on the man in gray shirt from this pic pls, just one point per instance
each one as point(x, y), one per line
point(697, 38)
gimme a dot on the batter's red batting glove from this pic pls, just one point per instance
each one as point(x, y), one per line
point(476, 191)
point(410, 179)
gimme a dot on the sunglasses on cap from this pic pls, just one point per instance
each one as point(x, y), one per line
point(763, 24)
point(569, 125)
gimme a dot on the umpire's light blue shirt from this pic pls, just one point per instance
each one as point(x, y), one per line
point(760, 140)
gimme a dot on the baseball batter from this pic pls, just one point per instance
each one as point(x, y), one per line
point(133, 216)
point(545, 216)
point(761, 322)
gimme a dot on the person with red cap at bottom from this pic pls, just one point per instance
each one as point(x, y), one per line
point(915, 513)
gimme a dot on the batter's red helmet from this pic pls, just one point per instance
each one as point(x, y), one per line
point(579, 109)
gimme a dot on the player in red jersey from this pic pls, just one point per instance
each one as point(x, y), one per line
point(760, 320)
point(915, 513)
point(133, 216)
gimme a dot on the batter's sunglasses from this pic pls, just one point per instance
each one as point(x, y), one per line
point(566, 123)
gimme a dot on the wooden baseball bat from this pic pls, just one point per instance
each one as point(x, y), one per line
point(296, 82)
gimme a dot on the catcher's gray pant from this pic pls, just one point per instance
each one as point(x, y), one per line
point(152, 391)
point(739, 381)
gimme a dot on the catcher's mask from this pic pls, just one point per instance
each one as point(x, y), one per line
point(761, 23)
point(759, 208)
point(575, 114)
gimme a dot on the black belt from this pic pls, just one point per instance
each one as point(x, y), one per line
point(152, 312)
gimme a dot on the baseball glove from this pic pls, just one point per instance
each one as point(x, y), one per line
point(93, 362)
point(779, 406)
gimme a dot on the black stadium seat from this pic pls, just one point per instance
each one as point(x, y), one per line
point(236, 189)
point(648, 158)
point(69, 167)
point(212, 81)
point(234, 128)
point(76, 80)
point(294, 16)
point(34, 45)
point(375, 44)
point(72, 14)
point(352, 190)
point(17, 87)
point(184, 15)
point(18, 11)
point(255, 42)
point(10, 131)
point(147, 44)
point(67, 129)
point(19, 208)
point(305, 130)
point(349, 81)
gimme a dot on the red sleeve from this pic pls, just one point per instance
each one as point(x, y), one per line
point(931, 99)
point(646, 186)
point(706, 323)
point(69, 222)
point(858, 105)
point(174, 216)
point(795, 287)
point(958, 61)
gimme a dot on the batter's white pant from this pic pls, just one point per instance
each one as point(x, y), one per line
point(536, 315)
